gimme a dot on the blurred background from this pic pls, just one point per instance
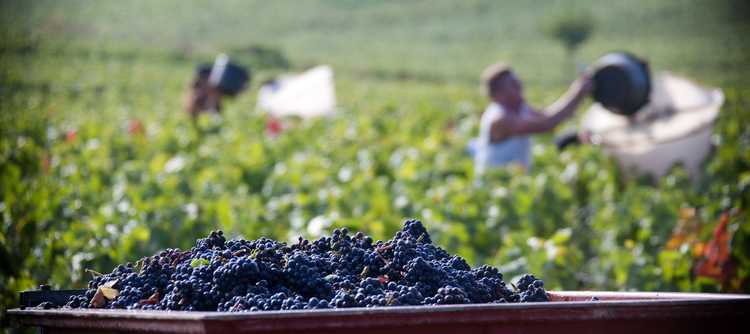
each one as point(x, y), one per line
point(100, 164)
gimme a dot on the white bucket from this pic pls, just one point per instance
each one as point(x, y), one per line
point(674, 128)
point(306, 95)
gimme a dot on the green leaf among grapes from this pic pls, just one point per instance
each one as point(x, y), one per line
point(198, 263)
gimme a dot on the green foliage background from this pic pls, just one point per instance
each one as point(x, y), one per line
point(406, 78)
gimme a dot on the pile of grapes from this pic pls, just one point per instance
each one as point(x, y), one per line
point(340, 271)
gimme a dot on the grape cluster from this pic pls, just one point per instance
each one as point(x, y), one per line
point(532, 289)
point(339, 271)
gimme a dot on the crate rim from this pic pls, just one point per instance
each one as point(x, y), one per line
point(561, 300)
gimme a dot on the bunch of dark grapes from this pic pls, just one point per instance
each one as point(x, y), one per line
point(339, 271)
point(532, 289)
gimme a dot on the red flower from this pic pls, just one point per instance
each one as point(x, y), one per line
point(135, 126)
point(71, 136)
point(274, 127)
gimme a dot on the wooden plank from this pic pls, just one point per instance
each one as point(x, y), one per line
point(616, 312)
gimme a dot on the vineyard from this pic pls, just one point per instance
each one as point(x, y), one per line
point(100, 165)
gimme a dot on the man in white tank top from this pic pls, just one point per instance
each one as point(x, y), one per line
point(508, 121)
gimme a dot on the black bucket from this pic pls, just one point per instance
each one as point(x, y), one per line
point(622, 83)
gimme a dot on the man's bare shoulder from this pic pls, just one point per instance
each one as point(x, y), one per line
point(506, 117)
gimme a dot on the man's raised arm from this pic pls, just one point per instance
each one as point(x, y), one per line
point(513, 125)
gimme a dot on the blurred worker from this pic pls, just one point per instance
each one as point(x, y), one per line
point(211, 83)
point(508, 121)
point(202, 96)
